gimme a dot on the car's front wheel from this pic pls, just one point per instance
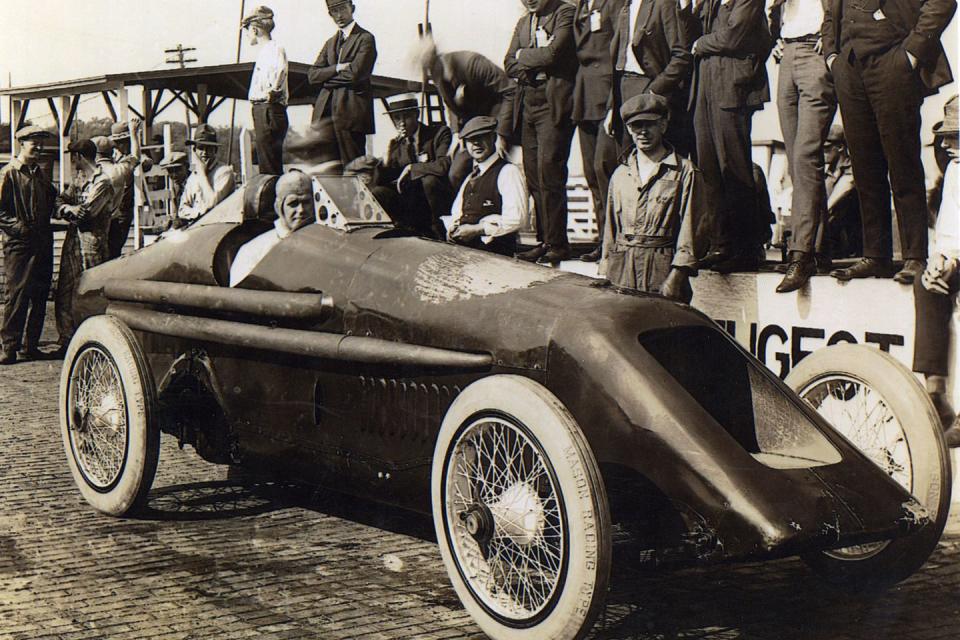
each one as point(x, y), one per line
point(878, 404)
point(520, 512)
point(107, 416)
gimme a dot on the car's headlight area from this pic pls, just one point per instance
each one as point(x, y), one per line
point(747, 400)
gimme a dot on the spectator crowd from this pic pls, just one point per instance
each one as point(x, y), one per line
point(662, 94)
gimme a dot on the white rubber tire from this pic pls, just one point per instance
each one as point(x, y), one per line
point(113, 342)
point(580, 594)
point(930, 463)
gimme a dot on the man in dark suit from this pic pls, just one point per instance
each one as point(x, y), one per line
point(885, 57)
point(542, 59)
point(593, 29)
point(470, 86)
point(730, 84)
point(412, 164)
point(342, 70)
point(651, 54)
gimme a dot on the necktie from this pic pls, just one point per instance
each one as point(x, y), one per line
point(338, 45)
point(475, 173)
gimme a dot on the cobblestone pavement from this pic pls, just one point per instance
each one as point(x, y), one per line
point(220, 557)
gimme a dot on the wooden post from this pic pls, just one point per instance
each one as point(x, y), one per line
point(247, 170)
point(202, 103)
point(15, 109)
point(63, 137)
point(124, 104)
point(147, 115)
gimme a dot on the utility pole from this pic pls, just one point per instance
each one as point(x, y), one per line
point(176, 55)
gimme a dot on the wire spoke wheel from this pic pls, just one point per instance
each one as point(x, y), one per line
point(863, 416)
point(521, 512)
point(98, 423)
point(882, 409)
point(509, 533)
point(107, 407)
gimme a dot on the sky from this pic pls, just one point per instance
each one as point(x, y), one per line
point(52, 40)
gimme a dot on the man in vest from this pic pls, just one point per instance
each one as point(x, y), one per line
point(492, 203)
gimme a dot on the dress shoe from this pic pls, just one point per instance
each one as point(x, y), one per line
point(593, 256)
point(782, 267)
point(798, 273)
point(8, 357)
point(952, 435)
point(911, 269)
point(865, 268)
point(555, 255)
point(531, 255)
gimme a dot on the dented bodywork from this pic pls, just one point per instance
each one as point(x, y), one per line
point(705, 454)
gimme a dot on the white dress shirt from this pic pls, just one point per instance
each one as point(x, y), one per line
point(631, 64)
point(513, 192)
point(270, 75)
point(801, 18)
point(250, 254)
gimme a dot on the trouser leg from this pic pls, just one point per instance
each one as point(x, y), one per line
point(866, 158)
point(117, 235)
point(270, 128)
point(740, 225)
point(531, 170)
point(895, 92)
point(810, 109)
point(708, 162)
point(352, 145)
point(599, 154)
point(17, 261)
point(931, 340)
point(553, 155)
point(40, 277)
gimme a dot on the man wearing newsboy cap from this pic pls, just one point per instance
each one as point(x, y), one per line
point(27, 200)
point(210, 182)
point(268, 93)
point(492, 202)
point(655, 196)
point(342, 72)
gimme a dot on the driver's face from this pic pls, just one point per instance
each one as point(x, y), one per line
point(297, 210)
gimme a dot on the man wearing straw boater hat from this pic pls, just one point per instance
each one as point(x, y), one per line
point(412, 162)
point(268, 93)
point(210, 182)
point(342, 72)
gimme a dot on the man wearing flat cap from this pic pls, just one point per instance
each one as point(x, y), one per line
point(27, 200)
point(935, 291)
point(210, 182)
point(294, 207)
point(421, 182)
point(655, 196)
point(85, 246)
point(268, 93)
point(342, 72)
point(492, 202)
point(122, 169)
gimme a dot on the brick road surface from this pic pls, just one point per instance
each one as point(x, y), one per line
point(218, 556)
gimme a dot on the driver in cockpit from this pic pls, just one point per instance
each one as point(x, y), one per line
point(295, 209)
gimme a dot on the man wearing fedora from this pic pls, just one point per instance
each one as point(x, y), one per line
point(342, 72)
point(492, 202)
point(268, 93)
point(655, 196)
point(885, 57)
point(210, 181)
point(412, 162)
point(934, 292)
point(125, 138)
point(27, 200)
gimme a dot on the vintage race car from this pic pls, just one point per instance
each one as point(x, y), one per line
point(536, 414)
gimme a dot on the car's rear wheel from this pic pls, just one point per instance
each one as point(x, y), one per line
point(878, 404)
point(520, 511)
point(107, 416)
